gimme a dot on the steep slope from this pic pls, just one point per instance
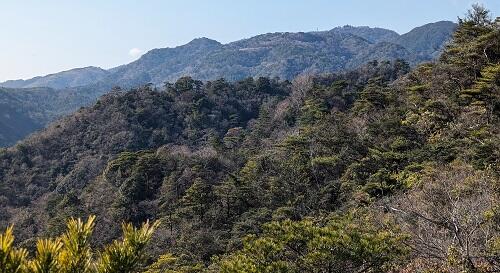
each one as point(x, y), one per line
point(15, 125)
point(380, 169)
point(71, 78)
point(26, 110)
point(69, 155)
point(428, 40)
point(282, 55)
point(355, 162)
point(71, 168)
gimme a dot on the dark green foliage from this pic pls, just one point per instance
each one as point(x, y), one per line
point(23, 111)
point(290, 54)
point(336, 164)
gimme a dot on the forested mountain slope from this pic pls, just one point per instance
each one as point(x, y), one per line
point(427, 40)
point(283, 55)
point(71, 78)
point(15, 125)
point(23, 111)
point(380, 169)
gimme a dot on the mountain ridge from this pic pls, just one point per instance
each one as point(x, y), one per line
point(283, 55)
point(152, 64)
point(384, 168)
point(64, 79)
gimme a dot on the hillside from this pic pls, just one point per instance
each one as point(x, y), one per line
point(15, 125)
point(377, 169)
point(428, 40)
point(71, 78)
point(24, 111)
point(283, 55)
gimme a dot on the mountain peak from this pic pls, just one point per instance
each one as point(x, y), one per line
point(428, 39)
point(372, 34)
point(442, 26)
point(203, 41)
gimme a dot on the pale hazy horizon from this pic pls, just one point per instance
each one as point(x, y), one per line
point(44, 37)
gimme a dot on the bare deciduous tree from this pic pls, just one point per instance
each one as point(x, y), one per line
point(452, 217)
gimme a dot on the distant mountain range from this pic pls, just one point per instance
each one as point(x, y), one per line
point(71, 78)
point(283, 55)
point(23, 111)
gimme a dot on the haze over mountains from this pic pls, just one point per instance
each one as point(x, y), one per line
point(71, 78)
point(283, 55)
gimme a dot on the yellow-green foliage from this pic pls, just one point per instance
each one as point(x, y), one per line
point(162, 262)
point(123, 256)
point(11, 260)
point(483, 86)
point(71, 252)
point(351, 243)
point(47, 258)
point(167, 263)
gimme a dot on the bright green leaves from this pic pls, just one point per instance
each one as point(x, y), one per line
point(486, 89)
point(167, 263)
point(76, 255)
point(350, 243)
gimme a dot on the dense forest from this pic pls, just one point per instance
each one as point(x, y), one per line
point(379, 169)
point(37, 102)
point(24, 111)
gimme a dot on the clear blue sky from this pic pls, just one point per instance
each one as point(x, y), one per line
point(46, 36)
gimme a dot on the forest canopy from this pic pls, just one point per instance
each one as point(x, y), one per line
point(379, 169)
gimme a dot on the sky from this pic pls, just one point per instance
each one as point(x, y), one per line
point(42, 37)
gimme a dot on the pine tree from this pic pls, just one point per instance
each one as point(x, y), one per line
point(71, 252)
